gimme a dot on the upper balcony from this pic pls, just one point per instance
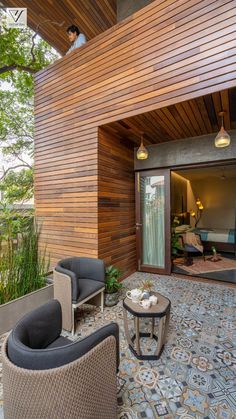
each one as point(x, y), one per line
point(93, 17)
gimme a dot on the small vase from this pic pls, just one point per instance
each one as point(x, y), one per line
point(146, 294)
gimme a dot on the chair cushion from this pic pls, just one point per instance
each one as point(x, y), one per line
point(38, 328)
point(189, 248)
point(91, 268)
point(59, 342)
point(54, 357)
point(87, 287)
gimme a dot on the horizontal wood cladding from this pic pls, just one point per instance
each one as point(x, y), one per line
point(66, 196)
point(156, 56)
point(116, 203)
point(169, 52)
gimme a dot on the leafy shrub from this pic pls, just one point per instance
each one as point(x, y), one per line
point(111, 283)
point(23, 268)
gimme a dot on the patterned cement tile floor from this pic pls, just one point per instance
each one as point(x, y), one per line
point(196, 374)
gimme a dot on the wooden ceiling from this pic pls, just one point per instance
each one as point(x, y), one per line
point(50, 18)
point(186, 119)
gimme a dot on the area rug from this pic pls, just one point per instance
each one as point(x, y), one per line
point(196, 374)
point(200, 266)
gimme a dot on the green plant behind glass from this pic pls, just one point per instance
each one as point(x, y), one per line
point(213, 248)
point(111, 283)
point(175, 244)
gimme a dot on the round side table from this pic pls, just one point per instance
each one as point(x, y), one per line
point(161, 310)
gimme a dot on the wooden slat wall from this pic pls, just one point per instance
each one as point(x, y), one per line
point(66, 194)
point(168, 52)
point(116, 202)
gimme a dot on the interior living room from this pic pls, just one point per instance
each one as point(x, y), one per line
point(203, 202)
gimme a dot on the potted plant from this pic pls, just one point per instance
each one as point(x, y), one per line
point(215, 257)
point(175, 245)
point(112, 285)
point(175, 240)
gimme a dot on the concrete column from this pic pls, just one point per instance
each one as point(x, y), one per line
point(128, 7)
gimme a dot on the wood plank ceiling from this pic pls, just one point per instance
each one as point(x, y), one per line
point(50, 18)
point(186, 119)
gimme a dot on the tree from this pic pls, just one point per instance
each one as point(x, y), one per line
point(23, 53)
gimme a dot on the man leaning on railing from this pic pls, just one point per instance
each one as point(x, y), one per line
point(75, 37)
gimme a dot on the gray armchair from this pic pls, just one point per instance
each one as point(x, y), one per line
point(47, 376)
point(78, 280)
point(190, 250)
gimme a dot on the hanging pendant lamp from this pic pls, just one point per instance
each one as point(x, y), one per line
point(222, 139)
point(142, 153)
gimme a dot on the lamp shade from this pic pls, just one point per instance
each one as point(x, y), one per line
point(198, 202)
point(222, 139)
point(142, 153)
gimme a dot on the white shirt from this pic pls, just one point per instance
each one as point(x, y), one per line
point(80, 40)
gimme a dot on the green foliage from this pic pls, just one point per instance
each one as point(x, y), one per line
point(23, 53)
point(23, 48)
point(175, 241)
point(13, 221)
point(18, 186)
point(213, 248)
point(23, 268)
point(175, 245)
point(112, 284)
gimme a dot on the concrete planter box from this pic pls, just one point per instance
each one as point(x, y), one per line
point(11, 312)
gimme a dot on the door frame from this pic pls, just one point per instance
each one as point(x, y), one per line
point(147, 268)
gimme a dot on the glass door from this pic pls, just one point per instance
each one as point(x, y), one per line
point(153, 221)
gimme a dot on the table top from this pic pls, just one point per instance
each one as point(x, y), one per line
point(158, 310)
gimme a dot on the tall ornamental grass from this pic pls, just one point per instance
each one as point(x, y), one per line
point(23, 268)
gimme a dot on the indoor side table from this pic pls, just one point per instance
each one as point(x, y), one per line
point(161, 310)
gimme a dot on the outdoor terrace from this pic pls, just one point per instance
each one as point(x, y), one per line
point(195, 375)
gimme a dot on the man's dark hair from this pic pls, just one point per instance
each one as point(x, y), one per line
point(73, 29)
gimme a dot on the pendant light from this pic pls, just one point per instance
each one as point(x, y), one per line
point(142, 153)
point(222, 139)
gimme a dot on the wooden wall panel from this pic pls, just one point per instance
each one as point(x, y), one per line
point(66, 195)
point(169, 52)
point(116, 202)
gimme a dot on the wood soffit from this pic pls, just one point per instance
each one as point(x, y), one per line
point(183, 120)
point(50, 18)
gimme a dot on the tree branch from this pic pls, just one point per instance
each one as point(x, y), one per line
point(22, 160)
point(53, 22)
point(12, 168)
point(32, 48)
point(17, 67)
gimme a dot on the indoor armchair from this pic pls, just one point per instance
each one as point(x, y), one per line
point(191, 245)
